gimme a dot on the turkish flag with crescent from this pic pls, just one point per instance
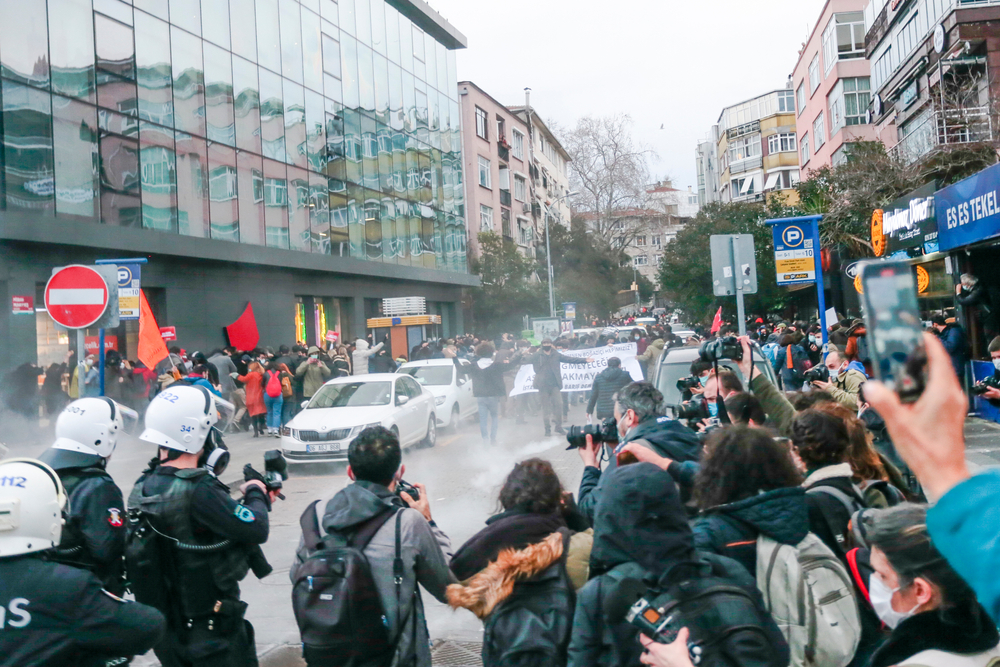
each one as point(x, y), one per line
point(717, 322)
point(152, 349)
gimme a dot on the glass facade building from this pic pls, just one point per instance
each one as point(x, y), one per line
point(318, 126)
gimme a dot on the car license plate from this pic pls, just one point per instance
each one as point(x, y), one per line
point(330, 447)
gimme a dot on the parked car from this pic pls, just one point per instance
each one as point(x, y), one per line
point(453, 399)
point(675, 363)
point(343, 407)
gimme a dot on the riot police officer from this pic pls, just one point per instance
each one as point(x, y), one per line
point(93, 538)
point(51, 614)
point(189, 539)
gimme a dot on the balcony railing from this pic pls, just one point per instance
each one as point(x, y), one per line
point(503, 153)
point(942, 128)
point(505, 197)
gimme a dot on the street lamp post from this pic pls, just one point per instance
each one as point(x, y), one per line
point(548, 253)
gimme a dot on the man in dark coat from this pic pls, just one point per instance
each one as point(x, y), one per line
point(606, 385)
point(548, 382)
point(488, 386)
point(953, 338)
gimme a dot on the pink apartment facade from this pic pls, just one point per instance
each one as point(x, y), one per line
point(832, 86)
point(496, 152)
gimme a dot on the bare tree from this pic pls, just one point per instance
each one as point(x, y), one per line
point(610, 172)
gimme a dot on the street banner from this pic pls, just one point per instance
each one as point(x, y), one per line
point(580, 377)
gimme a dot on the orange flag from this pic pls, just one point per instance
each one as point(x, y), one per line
point(152, 349)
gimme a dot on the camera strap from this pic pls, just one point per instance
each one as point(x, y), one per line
point(719, 401)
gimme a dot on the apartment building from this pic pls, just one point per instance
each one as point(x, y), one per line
point(496, 147)
point(934, 65)
point(707, 163)
point(832, 86)
point(756, 148)
point(550, 162)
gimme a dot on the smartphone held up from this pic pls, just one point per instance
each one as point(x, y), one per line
point(895, 331)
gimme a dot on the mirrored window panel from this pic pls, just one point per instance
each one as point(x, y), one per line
point(71, 31)
point(189, 82)
point(25, 37)
point(387, 214)
point(119, 155)
point(193, 214)
point(27, 148)
point(251, 177)
point(186, 14)
point(347, 22)
point(291, 41)
point(157, 8)
point(77, 180)
point(349, 71)
point(275, 204)
point(268, 35)
point(372, 216)
point(319, 213)
point(340, 242)
point(312, 52)
point(115, 48)
point(215, 22)
point(402, 215)
point(242, 19)
point(116, 9)
point(222, 193)
point(219, 114)
point(356, 217)
point(153, 73)
point(158, 177)
point(315, 135)
point(272, 116)
point(366, 78)
point(330, 11)
point(299, 225)
point(295, 124)
point(247, 105)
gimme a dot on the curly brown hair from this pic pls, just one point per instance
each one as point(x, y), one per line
point(864, 461)
point(739, 462)
point(534, 486)
point(820, 438)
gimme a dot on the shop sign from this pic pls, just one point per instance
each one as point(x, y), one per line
point(22, 305)
point(910, 94)
point(93, 343)
point(969, 211)
point(907, 227)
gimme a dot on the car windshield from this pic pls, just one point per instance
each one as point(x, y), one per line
point(351, 394)
point(430, 376)
point(670, 373)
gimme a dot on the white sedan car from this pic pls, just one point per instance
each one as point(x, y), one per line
point(452, 391)
point(344, 407)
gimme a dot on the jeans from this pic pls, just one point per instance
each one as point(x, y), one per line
point(552, 406)
point(489, 407)
point(273, 406)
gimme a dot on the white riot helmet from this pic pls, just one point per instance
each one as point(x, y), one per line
point(32, 499)
point(91, 426)
point(181, 417)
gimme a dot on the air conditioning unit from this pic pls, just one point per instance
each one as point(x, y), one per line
point(525, 208)
point(411, 305)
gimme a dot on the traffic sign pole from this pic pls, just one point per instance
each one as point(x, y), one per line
point(81, 365)
point(741, 316)
point(800, 243)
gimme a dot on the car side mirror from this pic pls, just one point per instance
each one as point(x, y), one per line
point(402, 400)
point(305, 403)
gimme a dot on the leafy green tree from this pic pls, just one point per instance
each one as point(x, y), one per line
point(509, 290)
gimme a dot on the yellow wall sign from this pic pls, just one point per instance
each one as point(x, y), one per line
point(878, 236)
point(923, 280)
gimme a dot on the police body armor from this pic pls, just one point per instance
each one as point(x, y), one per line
point(72, 549)
point(199, 574)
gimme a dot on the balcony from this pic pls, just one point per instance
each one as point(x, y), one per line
point(503, 152)
point(942, 128)
point(505, 197)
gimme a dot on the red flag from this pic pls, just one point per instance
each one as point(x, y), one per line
point(152, 349)
point(243, 334)
point(717, 322)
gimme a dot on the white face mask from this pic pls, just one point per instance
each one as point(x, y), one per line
point(881, 597)
point(996, 364)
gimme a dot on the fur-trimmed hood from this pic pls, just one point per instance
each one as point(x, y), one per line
point(484, 591)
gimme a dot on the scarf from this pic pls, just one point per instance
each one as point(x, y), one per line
point(514, 529)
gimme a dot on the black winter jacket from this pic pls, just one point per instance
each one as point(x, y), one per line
point(607, 382)
point(487, 376)
point(732, 529)
point(547, 372)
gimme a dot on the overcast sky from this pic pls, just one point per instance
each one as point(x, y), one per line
point(664, 62)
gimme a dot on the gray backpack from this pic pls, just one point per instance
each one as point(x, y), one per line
point(823, 629)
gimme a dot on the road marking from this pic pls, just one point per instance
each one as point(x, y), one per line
point(448, 442)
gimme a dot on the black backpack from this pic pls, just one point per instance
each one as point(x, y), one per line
point(337, 606)
point(532, 627)
point(727, 621)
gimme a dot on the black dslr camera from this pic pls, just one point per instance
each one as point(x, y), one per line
point(275, 471)
point(691, 410)
point(605, 431)
point(688, 383)
point(721, 348)
point(983, 385)
point(403, 486)
point(817, 374)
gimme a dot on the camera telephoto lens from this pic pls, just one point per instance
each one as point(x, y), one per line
point(605, 431)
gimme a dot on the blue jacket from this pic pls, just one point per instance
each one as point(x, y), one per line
point(965, 527)
point(953, 339)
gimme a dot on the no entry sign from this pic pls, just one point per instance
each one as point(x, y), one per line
point(76, 296)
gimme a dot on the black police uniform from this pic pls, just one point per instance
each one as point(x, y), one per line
point(94, 535)
point(204, 613)
point(55, 615)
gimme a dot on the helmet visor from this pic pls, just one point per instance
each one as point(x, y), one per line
point(130, 419)
point(226, 411)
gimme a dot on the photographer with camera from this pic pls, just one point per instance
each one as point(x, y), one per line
point(638, 419)
point(837, 379)
point(989, 388)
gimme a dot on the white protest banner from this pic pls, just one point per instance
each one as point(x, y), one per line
point(580, 377)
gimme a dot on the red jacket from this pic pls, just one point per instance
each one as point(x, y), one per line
point(253, 382)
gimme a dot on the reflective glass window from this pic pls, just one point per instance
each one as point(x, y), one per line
point(412, 171)
point(451, 88)
point(296, 151)
point(392, 33)
point(381, 66)
point(186, 14)
point(402, 233)
point(335, 154)
point(219, 114)
point(399, 163)
point(299, 227)
point(291, 41)
point(409, 102)
point(192, 186)
point(349, 71)
point(120, 178)
point(215, 15)
point(189, 82)
point(378, 27)
point(424, 162)
point(158, 177)
point(222, 193)
point(387, 214)
point(347, 21)
point(363, 21)
point(157, 8)
point(443, 82)
point(27, 147)
point(340, 242)
point(331, 56)
point(116, 93)
point(71, 31)
point(275, 204)
point(242, 19)
point(396, 114)
point(315, 136)
point(406, 43)
point(369, 152)
point(74, 133)
point(430, 59)
point(419, 67)
point(272, 116)
point(116, 9)
point(312, 52)
point(115, 48)
point(371, 213)
point(332, 89)
point(311, 5)
point(414, 222)
point(384, 136)
point(247, 105)
point(428, 224)
point(251, 185)
point(330, 11)
point(24, 36)
point(352, 144)
point(356, 218)
point(268, 36)
point(366, 78)
point(152, 55)
point(319, 213)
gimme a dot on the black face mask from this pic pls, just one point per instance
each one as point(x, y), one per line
point(546, 348)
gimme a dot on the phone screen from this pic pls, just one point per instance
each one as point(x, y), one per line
point(894, 327)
